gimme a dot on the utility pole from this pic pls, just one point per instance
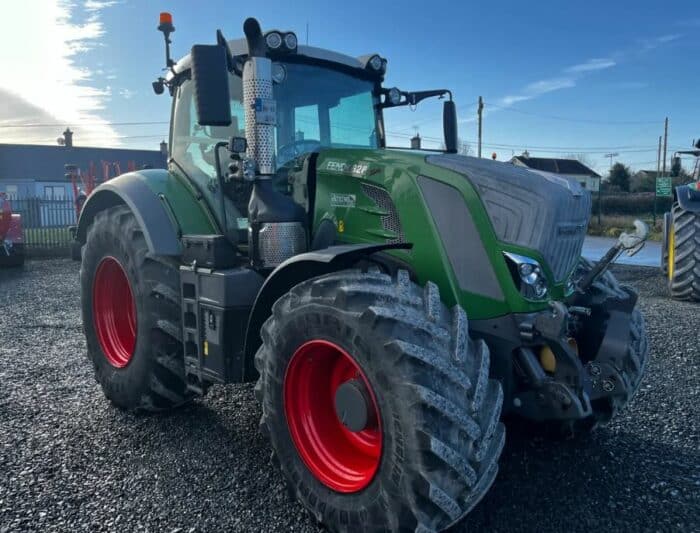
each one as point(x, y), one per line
point(480, 112)
point(665, 145)
point(658, 169)
point(307, 34)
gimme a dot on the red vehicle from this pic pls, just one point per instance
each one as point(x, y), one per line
point(11, 235)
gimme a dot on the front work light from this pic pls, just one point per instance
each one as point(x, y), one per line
point(376, 63)
point(273, 40)
point(290, 41)
point(394, 96)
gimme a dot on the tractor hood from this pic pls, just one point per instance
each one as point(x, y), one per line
point(542, 212)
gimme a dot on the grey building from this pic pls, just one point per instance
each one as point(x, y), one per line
point(568, 168)
point(28, 170)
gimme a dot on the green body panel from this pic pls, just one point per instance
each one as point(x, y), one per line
point(340, 197)
point(192, 215)
point(340, 174)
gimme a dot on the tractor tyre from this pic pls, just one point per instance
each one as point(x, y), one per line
point(664, 243)
point(131, 315)
point(683, 249)
point(378, 404)
point(631, 368)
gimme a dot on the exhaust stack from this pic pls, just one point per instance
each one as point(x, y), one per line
point(260, 112)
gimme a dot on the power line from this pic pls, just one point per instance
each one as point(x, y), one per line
point(570, 119)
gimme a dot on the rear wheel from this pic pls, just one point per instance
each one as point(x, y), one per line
point(378, 404)
point(131, 315)
point(683, 252)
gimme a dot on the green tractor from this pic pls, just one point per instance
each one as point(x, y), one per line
point(680, 249)
point(391, 305)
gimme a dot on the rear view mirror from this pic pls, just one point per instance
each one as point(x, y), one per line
point(211, 92)
point(449, 126)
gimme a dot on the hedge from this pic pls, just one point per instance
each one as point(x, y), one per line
point(630, 203)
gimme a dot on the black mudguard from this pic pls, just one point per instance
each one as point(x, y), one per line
point(295, 270)
point(688, 198)
point(158, 228)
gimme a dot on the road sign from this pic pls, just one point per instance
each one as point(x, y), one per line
point(664, 187)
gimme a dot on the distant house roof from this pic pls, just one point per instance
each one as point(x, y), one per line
point(649, 173)
point(571, 167)
point(47, 163)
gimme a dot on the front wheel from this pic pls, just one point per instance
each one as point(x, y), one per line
point(131, 315)
point(378, 404)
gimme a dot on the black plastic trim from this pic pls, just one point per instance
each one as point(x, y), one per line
point(295, 270)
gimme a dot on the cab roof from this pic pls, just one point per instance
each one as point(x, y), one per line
point(239, 47)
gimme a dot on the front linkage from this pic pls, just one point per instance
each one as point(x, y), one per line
point(583, 359)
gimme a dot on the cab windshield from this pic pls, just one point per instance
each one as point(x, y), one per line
point(316, 107)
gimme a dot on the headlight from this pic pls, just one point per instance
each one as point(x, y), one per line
point(528, 276)
point(273, 40)
point(290, 41)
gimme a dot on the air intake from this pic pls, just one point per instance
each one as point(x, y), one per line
point(390, 221)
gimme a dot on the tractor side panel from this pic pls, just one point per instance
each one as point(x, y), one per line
point(376, 197)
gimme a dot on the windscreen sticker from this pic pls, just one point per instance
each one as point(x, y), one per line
point(342, 200)
point(357, 170)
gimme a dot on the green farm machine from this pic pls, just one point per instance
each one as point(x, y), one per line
point(680, 250)
point(391, 305)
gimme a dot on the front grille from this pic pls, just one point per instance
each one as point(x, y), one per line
point(390, 221)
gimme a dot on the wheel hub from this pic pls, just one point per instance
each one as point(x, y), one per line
point(114, 312)
point(353, 405)
point(332, 416)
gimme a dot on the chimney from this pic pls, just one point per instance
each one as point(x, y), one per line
point(415, 142)
point(164, 149)
point(68, 138)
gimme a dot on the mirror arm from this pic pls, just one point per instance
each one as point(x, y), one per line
point(413, 98)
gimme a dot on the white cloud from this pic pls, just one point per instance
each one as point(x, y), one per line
point(44, 73)
point(651, 44)
point(571, 75)
point(127, 93)
point(538, 88)
point(98, 5)
point(596, 63)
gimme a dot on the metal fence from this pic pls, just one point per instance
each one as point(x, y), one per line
point(46, 222)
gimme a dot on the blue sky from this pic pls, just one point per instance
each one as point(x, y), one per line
point(558, 77)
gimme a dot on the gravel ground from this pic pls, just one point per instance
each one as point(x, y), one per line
point(69, 461)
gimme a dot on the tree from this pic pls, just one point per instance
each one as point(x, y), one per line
point(619, 177)
point(677, 170)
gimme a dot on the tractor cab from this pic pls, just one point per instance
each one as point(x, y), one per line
point(280, 103)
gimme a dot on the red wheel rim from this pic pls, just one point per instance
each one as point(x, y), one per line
point(343, 460)
point(114, 312)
